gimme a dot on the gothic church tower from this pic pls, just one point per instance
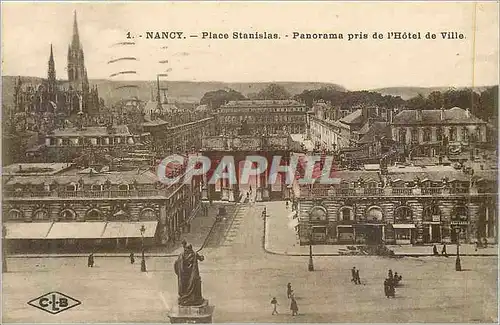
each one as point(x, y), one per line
point(77, 74)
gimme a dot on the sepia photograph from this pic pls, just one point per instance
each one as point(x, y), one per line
point(249, 162)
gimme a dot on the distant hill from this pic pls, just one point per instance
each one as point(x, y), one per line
point(409, 92)
point(181, 91)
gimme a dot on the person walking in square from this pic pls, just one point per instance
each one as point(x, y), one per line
point(443, 251)
point(293, 306)
point(353, 274)
point(289, 290)
point(275, 304)
point(132, 258)
point(90, 260)
point(358, 279)
point(386, 288)
point(435, 250)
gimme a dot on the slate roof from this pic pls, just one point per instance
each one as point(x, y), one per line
point(91, 131)
point(455, 115)
point(353, 118)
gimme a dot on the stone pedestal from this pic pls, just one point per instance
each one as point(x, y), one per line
point(192, 314)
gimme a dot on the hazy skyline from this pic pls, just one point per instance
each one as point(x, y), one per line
point(28, 29)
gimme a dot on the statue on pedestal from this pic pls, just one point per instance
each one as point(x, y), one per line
point(188, 275)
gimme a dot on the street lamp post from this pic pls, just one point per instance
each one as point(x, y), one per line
point(458, 264)
point(4, 249)
point(143, 259)
point(311, 265)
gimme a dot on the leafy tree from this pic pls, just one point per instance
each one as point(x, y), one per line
point(217, 98)
point(273, 91)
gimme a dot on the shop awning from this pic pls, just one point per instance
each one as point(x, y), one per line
point(27, 230)
point(403, 226)
point(76, 230)
point(132, 229)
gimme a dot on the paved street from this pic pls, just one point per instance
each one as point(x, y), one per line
point(240, 279)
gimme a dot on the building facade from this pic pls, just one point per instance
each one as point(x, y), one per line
point(437, 132)
point(405, 206)
point(59, 204)
point(262, 117)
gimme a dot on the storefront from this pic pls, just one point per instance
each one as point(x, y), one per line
point(345, 234)
point(404, 233)
point(370, 234)
point(459, 231)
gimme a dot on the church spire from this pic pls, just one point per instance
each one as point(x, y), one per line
point(75, 43)
point(51, 75)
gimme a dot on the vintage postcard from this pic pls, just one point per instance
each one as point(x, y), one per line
point(249, 162)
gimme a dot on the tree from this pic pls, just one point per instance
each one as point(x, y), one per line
point(216, 99)
point(274, 91)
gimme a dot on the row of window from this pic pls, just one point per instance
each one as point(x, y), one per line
point(454, 134)
point(403, 214)
point(264, 119)
point(70, 214)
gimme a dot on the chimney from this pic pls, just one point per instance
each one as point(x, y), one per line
point(442, 113)
point(418, 113)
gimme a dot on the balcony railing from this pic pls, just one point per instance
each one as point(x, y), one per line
point(91, 194)
point(306, 192)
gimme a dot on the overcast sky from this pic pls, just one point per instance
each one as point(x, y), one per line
point(28, 29)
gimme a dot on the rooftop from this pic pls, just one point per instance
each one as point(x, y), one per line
point(91, 131)
point(455, 115)
point(263, 103)
point(353, 118)
point(34, 169)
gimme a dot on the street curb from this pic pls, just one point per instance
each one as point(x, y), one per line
point(272, 252)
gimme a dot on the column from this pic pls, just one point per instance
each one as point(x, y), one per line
point(408, 135)
point(420, 131)
point(433, 134)
point(258, 188)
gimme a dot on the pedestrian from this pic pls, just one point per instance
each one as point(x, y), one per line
point(443, 251)
point(435, 250)
point(250, 189)
point(392, 289)
point(390, 275)
point(90, 261)
point(275, 304)
point(132, 258)
point(289, 290)
point(287, 204)
point(293, 307)
point(358, 279)
point(386, 288)
point(353, 274)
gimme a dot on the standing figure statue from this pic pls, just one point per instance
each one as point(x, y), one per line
point(188, 275)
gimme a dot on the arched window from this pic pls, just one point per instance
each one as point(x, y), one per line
point(403, 215)
point(123, 187)
point(431, 213)
point(71, 187)
point(68, 214)
point(93, 214)
point(15, 214)
point(318, 214)
point(460, 213)
point(41, 214)
point(96, 187)
point(374, 214)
